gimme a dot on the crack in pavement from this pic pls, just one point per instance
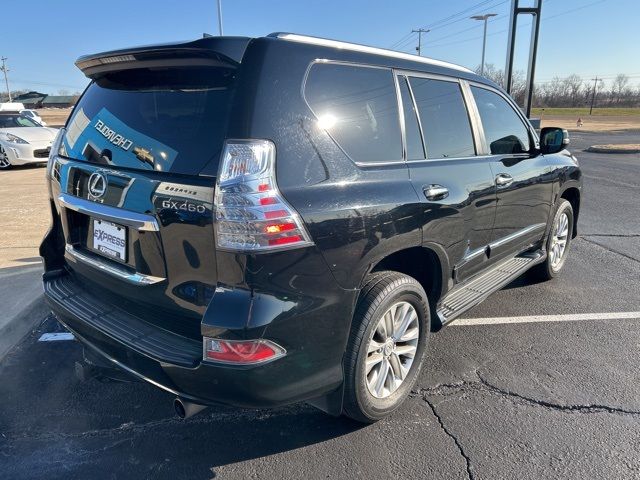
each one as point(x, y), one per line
point(484, 385)
point(610, 249)
point(466, 458)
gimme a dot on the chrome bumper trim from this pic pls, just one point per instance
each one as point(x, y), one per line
point(139, 221)
point(133, 278)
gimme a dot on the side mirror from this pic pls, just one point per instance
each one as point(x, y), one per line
point(553, 139)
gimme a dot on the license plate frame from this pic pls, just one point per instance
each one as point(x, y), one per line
point(109, 239)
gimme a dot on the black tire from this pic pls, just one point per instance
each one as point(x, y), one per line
point(547, 270)
point(381, 291)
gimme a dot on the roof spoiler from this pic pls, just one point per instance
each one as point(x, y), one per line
point(226, 52)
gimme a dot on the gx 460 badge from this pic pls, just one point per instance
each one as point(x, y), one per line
point(183, 205)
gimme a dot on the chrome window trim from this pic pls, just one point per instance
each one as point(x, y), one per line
point(474, 117)
point(447, 159)
point(324, 61)
point(138, 221)
point(403, 126)
point(402, 77)
point(134, 278)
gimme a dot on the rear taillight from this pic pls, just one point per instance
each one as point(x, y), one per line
point(251, 214)
point(241, 352)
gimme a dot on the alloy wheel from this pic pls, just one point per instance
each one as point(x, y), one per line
point(392, 349)
point(559, 239)
point(4, 158)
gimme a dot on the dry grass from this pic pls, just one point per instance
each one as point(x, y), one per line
point(593, 124)
point(55, 117)
point(24, 214)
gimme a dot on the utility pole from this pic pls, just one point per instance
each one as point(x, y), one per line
point(593, 94)
point(5, 70)
point(484, 37)
point(420, 31)
point(220, 17)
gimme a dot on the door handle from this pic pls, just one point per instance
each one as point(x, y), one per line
point(504, 179)
point(435, 192)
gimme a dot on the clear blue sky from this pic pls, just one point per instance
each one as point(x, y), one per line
point(586, 37)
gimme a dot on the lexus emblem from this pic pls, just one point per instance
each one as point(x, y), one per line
point(97, 185)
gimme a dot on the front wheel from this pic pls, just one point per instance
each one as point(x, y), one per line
point(386, 346)
point(558, 242)
point(5, 164)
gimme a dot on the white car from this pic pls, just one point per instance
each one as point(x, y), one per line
point(33, 115)
point(23, 140)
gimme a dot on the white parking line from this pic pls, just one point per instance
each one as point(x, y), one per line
point(56, 337)
point(572, 317)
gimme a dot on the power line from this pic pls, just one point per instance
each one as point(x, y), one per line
point(47, 84)
point(439, 23)
point(404, 44)
point(520, 26)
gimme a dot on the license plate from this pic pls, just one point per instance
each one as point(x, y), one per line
point(110, 239)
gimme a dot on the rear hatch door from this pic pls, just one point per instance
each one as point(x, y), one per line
point(133, 181)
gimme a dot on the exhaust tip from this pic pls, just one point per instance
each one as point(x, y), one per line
point(185, 409)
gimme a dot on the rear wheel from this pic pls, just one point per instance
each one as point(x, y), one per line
point(386, 345)
point(558, 243)
point(4, 159)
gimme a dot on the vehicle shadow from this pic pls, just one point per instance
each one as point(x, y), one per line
point(233, 437)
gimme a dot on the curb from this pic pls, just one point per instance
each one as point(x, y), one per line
point(602, 149)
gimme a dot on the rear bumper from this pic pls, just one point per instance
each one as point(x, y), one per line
point(174, 363)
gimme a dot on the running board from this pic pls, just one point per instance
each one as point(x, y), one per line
point(469, 295)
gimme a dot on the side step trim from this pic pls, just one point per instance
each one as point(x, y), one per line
point(471, 294)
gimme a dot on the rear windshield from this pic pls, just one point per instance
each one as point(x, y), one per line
point(166, 120)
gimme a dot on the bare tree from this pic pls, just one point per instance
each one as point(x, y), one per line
point(620, 88)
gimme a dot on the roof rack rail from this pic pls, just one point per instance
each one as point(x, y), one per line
point(356, 47)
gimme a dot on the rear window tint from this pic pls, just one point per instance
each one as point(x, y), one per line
point(444, 118)
point(358, 107)
point(169, 120)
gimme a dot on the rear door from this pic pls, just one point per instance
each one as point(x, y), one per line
point(521, 174)
point(135, 208)
point(455, 185)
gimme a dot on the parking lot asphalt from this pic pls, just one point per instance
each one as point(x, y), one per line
point(553, 399)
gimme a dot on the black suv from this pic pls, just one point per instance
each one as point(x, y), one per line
point(262, 221)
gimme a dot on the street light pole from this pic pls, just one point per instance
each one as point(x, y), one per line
point(484, 18)
point(220, 17)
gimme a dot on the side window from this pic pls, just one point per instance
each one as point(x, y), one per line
point(445, 121)
point(415, 147)
point(503, 129)
point(358, 106)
